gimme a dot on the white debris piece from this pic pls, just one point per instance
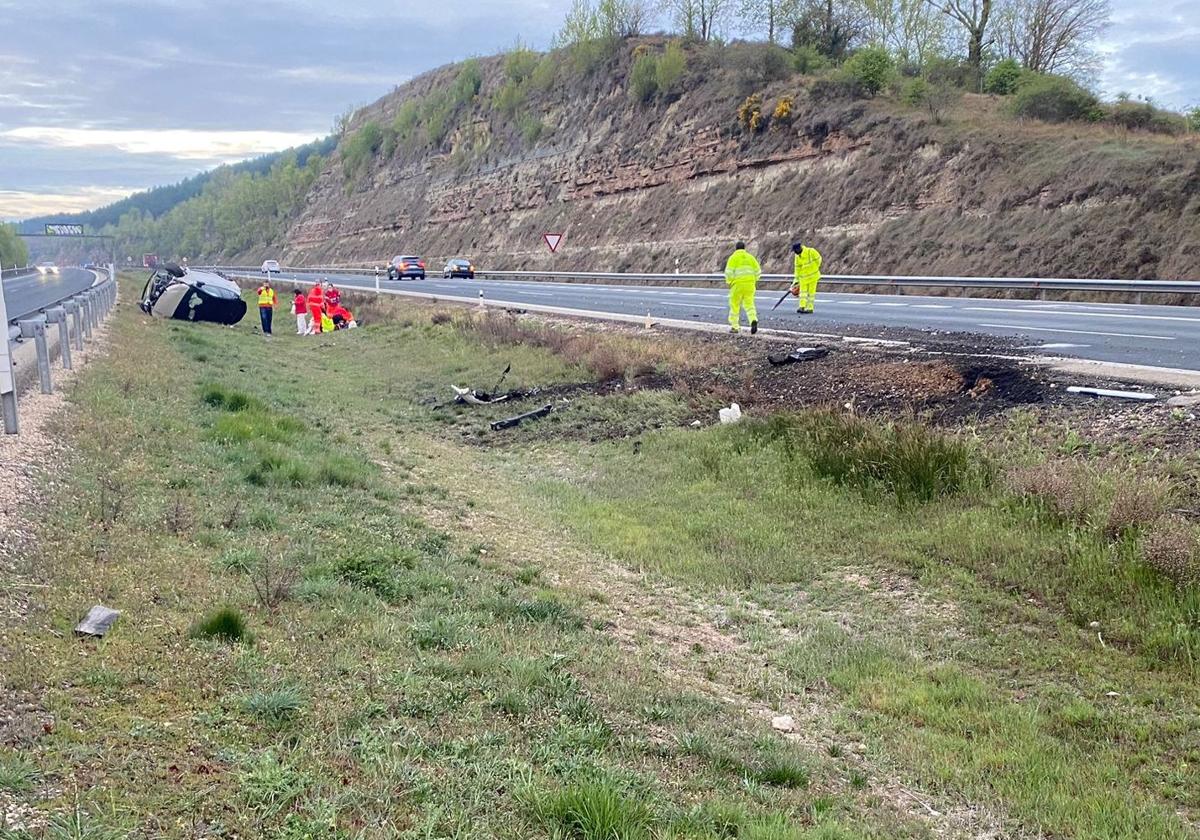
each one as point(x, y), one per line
point(732, 414)
point(97, 622)
point(1105, 392)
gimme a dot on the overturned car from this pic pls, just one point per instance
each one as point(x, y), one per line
point(187, 295)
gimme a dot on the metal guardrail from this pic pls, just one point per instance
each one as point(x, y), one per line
point(1039, 285)
point(76, 314)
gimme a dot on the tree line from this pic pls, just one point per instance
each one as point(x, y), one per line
point(1043, 36)
point(13, 251)
point(234, 212)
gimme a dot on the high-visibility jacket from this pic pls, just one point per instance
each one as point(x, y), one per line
point(807, 266)
point(266, 296)
point(300, 305)
point(332, 296)
point(316, 297)
point(741, 266)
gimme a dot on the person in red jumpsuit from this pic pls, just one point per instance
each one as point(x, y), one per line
point(316, 306)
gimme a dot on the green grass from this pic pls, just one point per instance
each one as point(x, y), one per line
point(461, 656)
point(414, 680)
point(223, 625)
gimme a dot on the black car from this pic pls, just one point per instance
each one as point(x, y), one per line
point(459, 268)
point(403, 267)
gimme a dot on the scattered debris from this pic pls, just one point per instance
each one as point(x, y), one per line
point(730, 415)
point(1184, 400)
point(97, 622)
point(800, 354)
point(696, 424)
point(466, 395)
point(1105, 392)
point(509, 422)
point(783, 723)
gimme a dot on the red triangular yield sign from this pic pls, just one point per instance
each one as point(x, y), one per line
point(552, 240)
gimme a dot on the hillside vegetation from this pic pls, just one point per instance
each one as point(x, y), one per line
point(654, 153)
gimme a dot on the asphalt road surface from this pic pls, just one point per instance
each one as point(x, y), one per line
point(27, 294)
point(1162, 336)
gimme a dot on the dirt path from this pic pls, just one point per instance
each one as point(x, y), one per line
point(28, 463)
point(667, 624)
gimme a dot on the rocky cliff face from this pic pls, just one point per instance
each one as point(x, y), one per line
point(876, 187)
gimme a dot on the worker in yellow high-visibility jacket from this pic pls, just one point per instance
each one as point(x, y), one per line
point(741, 275)
point(807, 267)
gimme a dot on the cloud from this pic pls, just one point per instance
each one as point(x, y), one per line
point(182, 144)
point(329, 75)
point(18, 204)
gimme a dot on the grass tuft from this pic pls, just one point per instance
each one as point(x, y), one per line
point(276, 706)
point(17, 773)
point(224, 625)
point(228, 399)
point(594, 811)
point(911, 460)
point(780, 769)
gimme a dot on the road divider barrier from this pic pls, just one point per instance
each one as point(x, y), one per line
point(1041, 287)
point(76, 316)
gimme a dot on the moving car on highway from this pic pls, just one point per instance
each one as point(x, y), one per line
point(270, 267)
point(406, 266)
point(47, 268)
point(459, 268)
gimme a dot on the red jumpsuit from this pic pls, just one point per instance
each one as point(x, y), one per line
point(316, 305)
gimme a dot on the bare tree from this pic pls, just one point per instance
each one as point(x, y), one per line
point(768, 16)
point(1054, 36)
point(973, 17)
point(697, 19)
point(912, 29)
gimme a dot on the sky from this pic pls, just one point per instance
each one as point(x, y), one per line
point(100, 98)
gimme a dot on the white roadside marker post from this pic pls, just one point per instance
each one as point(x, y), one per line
point(8, 390)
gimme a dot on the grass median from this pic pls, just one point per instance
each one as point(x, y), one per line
point(348, 610)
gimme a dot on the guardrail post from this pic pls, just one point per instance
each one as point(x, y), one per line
point(36, 329)
point(58, 315)
point(85, 308)
point(8, 390)
point(73, 310)
point(376, 279)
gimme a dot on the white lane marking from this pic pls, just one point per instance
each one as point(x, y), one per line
point(1028, 328)
point(1061, 345)
point(1084, 314)
point(856, 302)
point(932, 306)
point(890, 304)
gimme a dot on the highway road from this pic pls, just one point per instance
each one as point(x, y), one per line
point(1161, 336)
point(27, 294)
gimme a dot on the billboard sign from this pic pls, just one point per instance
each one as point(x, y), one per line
point(64, 230)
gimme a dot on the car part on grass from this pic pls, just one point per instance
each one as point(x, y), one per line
point(192, 296)
point(471, 397)
point(730, 415)
point(1105, 392)
point(800, 354)
point(509, 422)
point(97, 622)
point(503, 374)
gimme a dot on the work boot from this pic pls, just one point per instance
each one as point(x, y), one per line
point(733, 329)
point(753, 327)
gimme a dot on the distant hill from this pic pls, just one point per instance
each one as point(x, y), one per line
point(158, 200)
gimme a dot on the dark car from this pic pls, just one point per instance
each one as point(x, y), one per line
point(459, 268)
point(171, 292)
point(406, 267)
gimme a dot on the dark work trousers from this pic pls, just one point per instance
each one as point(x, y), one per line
point(265, 313)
